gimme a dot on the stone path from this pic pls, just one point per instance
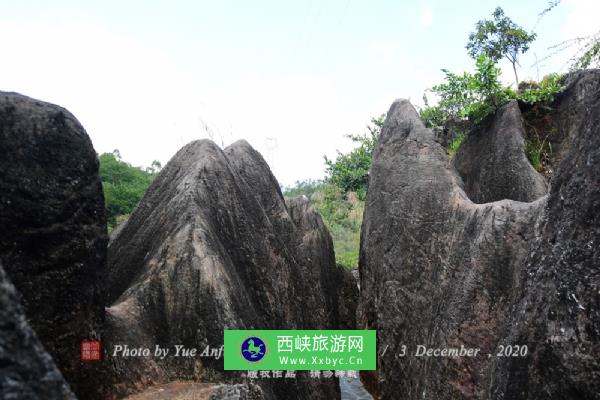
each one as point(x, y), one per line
point(352, 389)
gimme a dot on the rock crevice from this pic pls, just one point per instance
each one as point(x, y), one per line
point(441, 271)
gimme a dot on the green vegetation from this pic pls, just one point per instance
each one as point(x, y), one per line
point(471, 97)
point(342, 213)
point(350, 172)
point(303, 188)
point(455, 144)
point(123, 185)
point(540, 128)
point(340, 198)
point(500, 38)
point(468, 96)
point(590, 53)
point(542, 93)
point(474, 96)
point(535, 153)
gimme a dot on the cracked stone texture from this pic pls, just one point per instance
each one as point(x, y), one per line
point(213, 245)
point(493, 163)
point(26, 369)
point(439, 270)
point(53, 236)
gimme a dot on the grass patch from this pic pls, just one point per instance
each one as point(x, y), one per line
point(540, 129)
point(342, 214)
point(455, 144)
point(534, 154)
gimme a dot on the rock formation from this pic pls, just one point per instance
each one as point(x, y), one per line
point(26, 370)
point(493, 163)
point(441, 271)
point(478, 252)
point(53, 237)
point(567, 113)
point(214, 246)
point(557, 313)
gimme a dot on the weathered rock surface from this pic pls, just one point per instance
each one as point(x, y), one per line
point(492, 161)
point(26, 370)
point(315, 247)
point(214, 246)
point(558, 311)
point(568, 112)
point(200, 391)
point(441, 271)
point(453, 128)
point(53, 237)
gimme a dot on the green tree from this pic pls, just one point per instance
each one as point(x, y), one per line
point(154, 168)
point(303, 188)
point(339, 198)
point(500, 38)
point(341, 212)
point(350, 171)
point(471, 96)
point(123, 185)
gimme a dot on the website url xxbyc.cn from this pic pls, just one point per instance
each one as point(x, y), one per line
point(317, 360)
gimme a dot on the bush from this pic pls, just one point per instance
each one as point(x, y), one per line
point(341, 213)
point(590, 54)
point(339, 199)
point(303, 188)
point(467, 96)
point(455, 144)
point(350, 171)
point(475, 96)
point(123, 185)
point(535, 154)
point(543, 92)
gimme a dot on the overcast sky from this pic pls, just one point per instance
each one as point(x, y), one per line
point(147, 77)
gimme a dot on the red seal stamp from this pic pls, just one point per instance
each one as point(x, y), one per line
point(90, 350)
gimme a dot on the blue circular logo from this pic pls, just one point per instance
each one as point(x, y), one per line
point(253, 349)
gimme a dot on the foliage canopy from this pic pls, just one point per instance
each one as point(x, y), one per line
point(499, 38)
point(467, 96)
point(350, 171)
point(475, 96)
point(123, 185)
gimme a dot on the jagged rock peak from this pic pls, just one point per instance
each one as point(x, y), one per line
point(440, 271)
point(493, 162)
point(211, 246)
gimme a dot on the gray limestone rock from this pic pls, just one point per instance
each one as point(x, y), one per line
point(53, 236)
point(214, 246)
point(439, 270)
